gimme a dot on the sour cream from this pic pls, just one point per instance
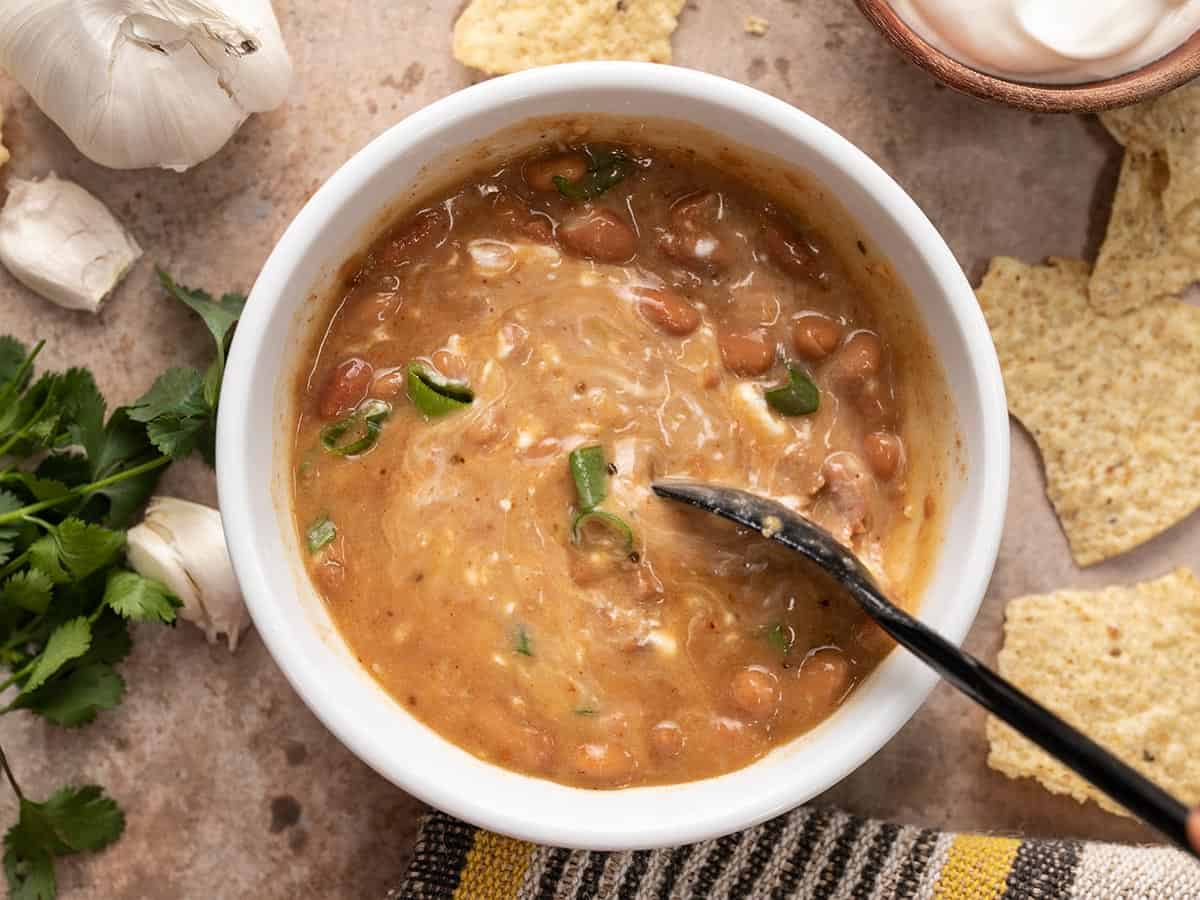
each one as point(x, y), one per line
point(1053, 41)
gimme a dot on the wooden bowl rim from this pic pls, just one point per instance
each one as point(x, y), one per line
point(1163, 74)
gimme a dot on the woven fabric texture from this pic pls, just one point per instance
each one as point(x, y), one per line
point(808, 853)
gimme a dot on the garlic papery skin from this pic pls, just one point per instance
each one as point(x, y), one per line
point(61, 242)
point(182, 545)
point(141, 83)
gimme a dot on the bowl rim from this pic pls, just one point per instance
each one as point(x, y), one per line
point(1151, 80)
point(577, 826)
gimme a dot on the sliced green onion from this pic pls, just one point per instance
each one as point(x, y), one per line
point(799, 397)
point(320, 533)
point(590, 473)
point(523, 645)
point(613, 523)
point(435, 395)
point(780, 638)
point(606, 168)
point(363, 426)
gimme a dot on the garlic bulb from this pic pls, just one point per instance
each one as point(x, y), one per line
point(138, 83)
point(182, 544)
point(61, 242)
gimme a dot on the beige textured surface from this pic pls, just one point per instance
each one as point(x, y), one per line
point(233, 788)
point(1110, 400)
point(500, 36)
point(1121, 663)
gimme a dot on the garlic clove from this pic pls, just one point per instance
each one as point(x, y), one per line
point(4, 157)
point(61, 242)
point(182, 544)
point(138, 83)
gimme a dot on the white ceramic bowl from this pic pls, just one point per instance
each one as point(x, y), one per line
point(253, 440)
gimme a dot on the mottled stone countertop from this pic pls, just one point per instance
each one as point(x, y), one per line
point(232, 788)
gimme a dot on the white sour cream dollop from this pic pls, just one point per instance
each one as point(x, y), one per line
point(1053, 41)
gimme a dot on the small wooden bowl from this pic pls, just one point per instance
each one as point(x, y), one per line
point(1178, 67)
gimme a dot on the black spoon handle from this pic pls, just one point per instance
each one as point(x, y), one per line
point(1122, 783)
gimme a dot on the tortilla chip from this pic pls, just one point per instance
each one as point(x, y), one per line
point(1120, 664)
point(500, 36)
point(3, 150)
point(1152, 248)
point(757, 25)
point(1144, 256)
point(1169, 127)
point(1112, 401)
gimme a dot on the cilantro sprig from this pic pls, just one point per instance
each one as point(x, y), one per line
point(72, 477)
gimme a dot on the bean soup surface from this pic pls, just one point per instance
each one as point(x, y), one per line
point(501, 378)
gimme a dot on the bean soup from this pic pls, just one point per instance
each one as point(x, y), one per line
point(500, 377)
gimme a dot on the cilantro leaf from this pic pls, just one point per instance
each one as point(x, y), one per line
point(75, 698)
point(39, 488)
point(43, 556)
point(83, 547)
point(219, 315)
point(176, 392)
point(139, 598)
point(29, 589)
point(110, 639)
point(9, 502)
point(68, 641)
point(73, 819)
point(83, 818)
point(176, 413)
point(125, 446)
point(12, 355)
point(28, 865)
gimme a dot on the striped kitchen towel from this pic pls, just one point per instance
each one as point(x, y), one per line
point(808, 853)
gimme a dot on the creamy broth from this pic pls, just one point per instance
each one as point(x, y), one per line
point(638, 303)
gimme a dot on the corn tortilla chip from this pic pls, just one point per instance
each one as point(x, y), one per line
point(1121, 664)
point(1152, 248)
point(1169, 127)
point(1112, 401)
point(757, 25)
point(1144, 256)
point(499, 36)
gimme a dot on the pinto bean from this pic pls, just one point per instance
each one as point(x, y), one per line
point(884, 452)
point(540, 173)
point(792, 253)
point(599, 234)
point(346, 387)
point(824, 678)
point(755, 690)
point(859, 358)
point(452, 365)
point(604, 762)
point(520, 218)
point(815, 336)
point(847, 487)
point(693, 240)
point(668, 311)
point(746, 354)
point(666, 739)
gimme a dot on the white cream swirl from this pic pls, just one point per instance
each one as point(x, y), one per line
point(1053, 41)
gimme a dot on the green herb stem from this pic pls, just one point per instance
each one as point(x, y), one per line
point(84, 490)
point(8, 773)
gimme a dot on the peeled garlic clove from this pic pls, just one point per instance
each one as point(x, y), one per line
point(182, 544)
point(61, 242)
point(137, 83)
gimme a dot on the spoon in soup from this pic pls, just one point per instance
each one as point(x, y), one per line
point(773, 520)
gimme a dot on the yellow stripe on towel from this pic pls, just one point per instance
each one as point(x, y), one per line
point(495, 868)
point(976, 868)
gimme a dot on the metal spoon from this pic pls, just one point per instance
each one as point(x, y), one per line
point(1127, 787)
